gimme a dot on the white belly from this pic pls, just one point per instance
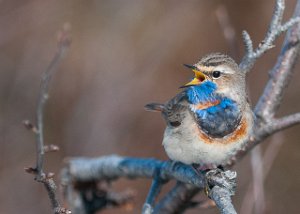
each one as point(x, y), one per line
point(184, 144)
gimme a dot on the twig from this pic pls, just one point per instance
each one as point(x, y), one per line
point(267, 162)
point(155, 188)
point(228, 30)
point(286, 122)
point(258, 180)
point(178, 199)
point(276, 28)
point(40, 176)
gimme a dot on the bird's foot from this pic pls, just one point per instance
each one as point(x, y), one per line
point(220, 178)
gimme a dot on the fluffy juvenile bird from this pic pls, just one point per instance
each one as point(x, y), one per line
point(210, 120)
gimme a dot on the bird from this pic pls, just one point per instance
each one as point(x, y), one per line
point(210, 119)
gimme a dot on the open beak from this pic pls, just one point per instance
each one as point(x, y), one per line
point(198, 79)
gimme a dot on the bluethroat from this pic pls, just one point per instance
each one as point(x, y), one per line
point(210, 120)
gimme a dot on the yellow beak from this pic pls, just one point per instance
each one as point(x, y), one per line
point(199, 78)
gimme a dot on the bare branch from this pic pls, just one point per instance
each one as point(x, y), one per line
point(247, 43)
point(155, 188)
point(221, 187)
point(63, 45)
point(114, 166)
point(258, 180)
point(286, 122)
point(178, 199)
point(268, 104)
point(276, 28)
point(268, 159)
point(222, 199)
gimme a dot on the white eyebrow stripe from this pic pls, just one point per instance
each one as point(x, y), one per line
point(224, 70)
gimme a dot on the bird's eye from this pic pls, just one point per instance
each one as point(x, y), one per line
point(216, 74)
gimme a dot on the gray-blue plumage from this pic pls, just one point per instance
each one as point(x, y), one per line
point(220, 120)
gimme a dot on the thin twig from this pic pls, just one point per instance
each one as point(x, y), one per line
point(40, 176)
point(63, 45)
point(258, 179)
point(228, 30)
point(286, 122)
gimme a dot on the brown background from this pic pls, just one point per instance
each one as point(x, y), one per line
point(124, 54)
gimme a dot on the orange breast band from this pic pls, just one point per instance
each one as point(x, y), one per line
point(238, 134)
point(206, 105)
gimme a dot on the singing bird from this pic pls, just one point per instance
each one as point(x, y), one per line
point(210, 120)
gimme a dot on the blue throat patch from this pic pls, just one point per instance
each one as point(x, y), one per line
point(201, 93)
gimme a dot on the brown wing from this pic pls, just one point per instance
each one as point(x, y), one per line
point(172, 111)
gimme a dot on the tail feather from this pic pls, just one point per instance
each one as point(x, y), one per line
point(155, 107)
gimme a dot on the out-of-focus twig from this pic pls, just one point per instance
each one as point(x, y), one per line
point(155, 188)
point(64, 41)
point(228, 30)
point(258, 180)
point(267, 162)
point(179, 199)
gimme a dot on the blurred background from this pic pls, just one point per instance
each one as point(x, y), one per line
point(124, 54)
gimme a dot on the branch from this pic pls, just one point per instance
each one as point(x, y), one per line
point(222, 198)
point(222, 186)
point(113, 167)
point(63, 45)
point(285, 122)
point(258, 180)
point(155, 188)
point(178, 199)
point(276, 28)
point(268, 103)
point(268, 160)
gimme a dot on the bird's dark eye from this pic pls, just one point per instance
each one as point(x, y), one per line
point(216, 74)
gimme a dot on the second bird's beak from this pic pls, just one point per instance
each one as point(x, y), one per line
point(198, 79)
